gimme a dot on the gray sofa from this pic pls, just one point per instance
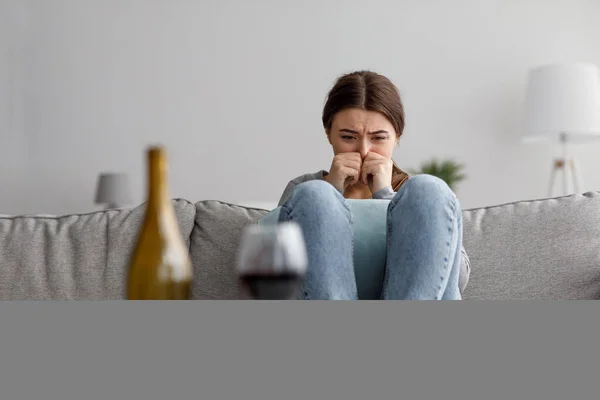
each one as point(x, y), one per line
point(537, 249)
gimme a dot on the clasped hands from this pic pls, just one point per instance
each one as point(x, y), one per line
point(347, 169)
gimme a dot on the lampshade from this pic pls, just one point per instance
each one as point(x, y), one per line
point(113, 189)
point(563, 99)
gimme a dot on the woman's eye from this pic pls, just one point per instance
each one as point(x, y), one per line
point(380, 138)
point(347, 137)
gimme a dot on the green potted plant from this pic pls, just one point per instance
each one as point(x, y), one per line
point(449, 171)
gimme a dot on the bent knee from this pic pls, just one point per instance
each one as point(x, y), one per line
point(425, 188)
point(316, 190)
point(425, 183)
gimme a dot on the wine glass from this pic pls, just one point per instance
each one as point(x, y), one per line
point(272, 261)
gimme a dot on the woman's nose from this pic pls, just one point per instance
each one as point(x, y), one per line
point(363, 148)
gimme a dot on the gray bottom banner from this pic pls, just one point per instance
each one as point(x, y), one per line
point(300, 350)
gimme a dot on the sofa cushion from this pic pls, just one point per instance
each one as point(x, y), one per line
point(83, 256)
point(213, 247)
point(538, 249)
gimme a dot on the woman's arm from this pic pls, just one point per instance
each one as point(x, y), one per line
point(296, 181)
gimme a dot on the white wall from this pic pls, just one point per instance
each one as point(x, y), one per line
point(235, 90)
point(14, 167)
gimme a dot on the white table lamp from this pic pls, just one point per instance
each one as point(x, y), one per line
point(563, 103)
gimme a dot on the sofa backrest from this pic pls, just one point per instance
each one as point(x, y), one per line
point(73, 257)
point(213, 247)
point(540, 249)
point(537, 249)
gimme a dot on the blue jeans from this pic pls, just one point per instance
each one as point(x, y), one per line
point(424, 239)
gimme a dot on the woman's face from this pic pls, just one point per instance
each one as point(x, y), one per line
point(356, 130)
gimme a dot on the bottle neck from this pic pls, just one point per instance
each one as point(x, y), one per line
point(158, 190)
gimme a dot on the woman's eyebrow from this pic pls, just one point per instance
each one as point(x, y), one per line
point(370, 133)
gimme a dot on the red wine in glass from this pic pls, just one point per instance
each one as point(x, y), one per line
point(271, 261)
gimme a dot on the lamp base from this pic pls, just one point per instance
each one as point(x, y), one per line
point(569, 168)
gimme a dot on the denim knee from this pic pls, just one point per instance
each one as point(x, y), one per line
point(317, 193)
point(424, 189)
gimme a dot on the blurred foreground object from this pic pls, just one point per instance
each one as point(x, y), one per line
point(161, 268)
point(113, 190)
point(272, 261)
point(563, 102)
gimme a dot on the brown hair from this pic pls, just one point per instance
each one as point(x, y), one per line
point(372, 92)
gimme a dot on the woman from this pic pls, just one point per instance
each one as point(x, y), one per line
point(364, 120)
